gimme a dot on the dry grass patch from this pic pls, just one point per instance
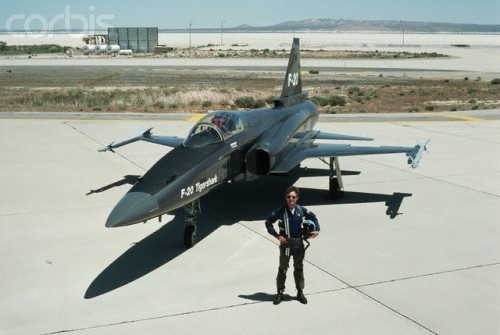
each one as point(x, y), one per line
point(161, 90)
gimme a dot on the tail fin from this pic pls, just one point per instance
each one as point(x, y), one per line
point(292, 87)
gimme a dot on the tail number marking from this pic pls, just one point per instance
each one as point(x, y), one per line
point(293, 79)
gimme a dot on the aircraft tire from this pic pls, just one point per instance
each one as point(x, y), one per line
point(334, 188)
point(189, 236)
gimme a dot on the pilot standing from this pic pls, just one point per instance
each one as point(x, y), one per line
point(293, 219)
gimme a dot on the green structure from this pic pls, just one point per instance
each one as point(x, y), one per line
point(139, 40)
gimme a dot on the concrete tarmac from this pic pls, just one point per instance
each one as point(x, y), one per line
point(406, 251)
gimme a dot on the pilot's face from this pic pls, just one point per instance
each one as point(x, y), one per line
point(291, 199)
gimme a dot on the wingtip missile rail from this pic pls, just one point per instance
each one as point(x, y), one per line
point(415, 156)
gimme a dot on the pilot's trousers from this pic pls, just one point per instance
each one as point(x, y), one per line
point(296, 250)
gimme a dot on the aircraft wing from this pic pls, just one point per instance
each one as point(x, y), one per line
point(146, 136)
point(315, 150)
point(331, 136)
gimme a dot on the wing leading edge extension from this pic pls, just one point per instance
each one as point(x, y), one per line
point(313, 150)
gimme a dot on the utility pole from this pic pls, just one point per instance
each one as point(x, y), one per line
point(403, 26)
point(221, 30)
point(190, 24)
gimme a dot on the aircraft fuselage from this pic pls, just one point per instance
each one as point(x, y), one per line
point(186, 173)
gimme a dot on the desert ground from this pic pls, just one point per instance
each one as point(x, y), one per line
point(342, 73)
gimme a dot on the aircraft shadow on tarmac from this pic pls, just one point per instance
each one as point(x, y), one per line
point(245, 201)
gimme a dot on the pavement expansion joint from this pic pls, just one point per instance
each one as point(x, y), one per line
point(214, 309)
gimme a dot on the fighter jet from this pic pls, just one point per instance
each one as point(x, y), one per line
point(231, 146)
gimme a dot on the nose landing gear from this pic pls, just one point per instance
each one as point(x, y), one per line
point(192, 209)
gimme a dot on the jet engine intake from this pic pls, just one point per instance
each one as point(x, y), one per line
point(259, 161)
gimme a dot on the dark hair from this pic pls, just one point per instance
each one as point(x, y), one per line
point(292, 189)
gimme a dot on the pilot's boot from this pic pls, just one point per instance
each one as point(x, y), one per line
point(279, 298)
point(301, 297)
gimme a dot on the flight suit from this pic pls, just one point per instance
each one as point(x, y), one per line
point(290, 226)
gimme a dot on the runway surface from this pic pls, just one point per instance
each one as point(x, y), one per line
point(406, 251)
point(474, 64)
point(474, 61)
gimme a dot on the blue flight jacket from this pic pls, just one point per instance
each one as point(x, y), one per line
point(294, 220)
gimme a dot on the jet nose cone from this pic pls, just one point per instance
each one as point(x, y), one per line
point(134, 207)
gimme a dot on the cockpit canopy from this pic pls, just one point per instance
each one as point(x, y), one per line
point(213, 128)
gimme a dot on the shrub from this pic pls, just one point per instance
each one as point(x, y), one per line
point(429, 108)
point(259, 103)
point(337, 100)
point(75, 93)
point(244, 102)
point(249, 102)
point(170, 91)
point(353, 89)
point(496, 81)
point(139, 101)
point(320, 101)
point(159, 104)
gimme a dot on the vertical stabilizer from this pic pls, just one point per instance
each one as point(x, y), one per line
point(292, 87)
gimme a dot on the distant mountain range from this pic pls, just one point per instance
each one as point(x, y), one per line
point(359, 25)
point(362, 25)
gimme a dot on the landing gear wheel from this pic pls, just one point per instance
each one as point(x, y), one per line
point(189, 236)
point(334, 188)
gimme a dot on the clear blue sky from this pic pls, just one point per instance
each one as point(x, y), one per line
point(175, 14)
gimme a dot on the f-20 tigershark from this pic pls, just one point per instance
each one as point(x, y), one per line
point(227, 146)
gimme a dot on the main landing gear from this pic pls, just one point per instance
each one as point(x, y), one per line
point(336, 186)
point(192, 209)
